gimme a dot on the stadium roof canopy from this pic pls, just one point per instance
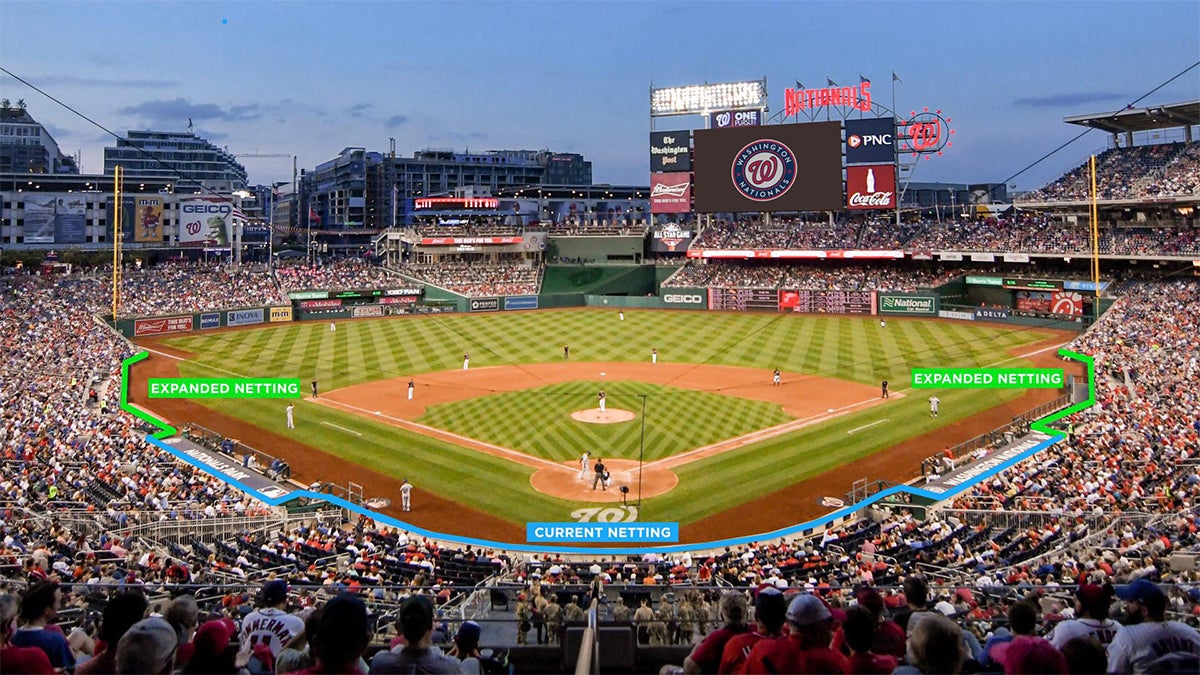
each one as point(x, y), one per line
point(1142, 119)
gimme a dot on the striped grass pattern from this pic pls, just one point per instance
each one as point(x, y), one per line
point(850, 348)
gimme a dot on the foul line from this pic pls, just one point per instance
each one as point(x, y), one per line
point(867, 426)
point(335, 426)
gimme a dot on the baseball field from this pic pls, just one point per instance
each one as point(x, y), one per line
point(703, 436)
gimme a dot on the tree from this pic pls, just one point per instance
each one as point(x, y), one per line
point(21, 103)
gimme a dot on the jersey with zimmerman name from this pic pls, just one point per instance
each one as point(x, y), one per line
point(1169, 647)
point(272, 627)
point(1104, 631)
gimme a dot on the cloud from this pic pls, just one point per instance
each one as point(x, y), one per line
point(1069, 99)
point(468, 137)
point(358, 109)
point(396, 121)
point(178, 109)
point(72, 80)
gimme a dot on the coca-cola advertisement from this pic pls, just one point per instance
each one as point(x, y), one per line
point(871, 187)
point(670, 192)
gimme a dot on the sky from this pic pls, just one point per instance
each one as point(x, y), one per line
point(310, 78)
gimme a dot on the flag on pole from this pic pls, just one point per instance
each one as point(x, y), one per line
point(896, 78)
point(863, 80)
point(238, 215)
point(798, 85)
point(830, 82)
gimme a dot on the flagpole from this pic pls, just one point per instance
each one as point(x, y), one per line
point(897, 154)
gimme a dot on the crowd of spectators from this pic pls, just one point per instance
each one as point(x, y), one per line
point(795, 276)
point(1144, 171)
point(339, 275)
point(474, 279)
point(180, 287)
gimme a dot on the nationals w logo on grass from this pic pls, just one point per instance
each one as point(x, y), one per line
point(764, 170)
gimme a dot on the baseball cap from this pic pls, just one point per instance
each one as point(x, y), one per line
point(274, 591)
point(468, 633)
point(1091, 595)
point(1026, 654)
point(212, 638)
point(770, 606)
point(1144, 592)
point(870, 598)
point(807, 609)
point(147, 647)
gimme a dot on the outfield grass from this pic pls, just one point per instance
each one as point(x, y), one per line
point(850, 348)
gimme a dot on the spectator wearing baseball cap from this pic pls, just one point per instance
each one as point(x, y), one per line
point(147, 648)
point(706, 656)
point(270, 625)
point(859, 630)
point(888, 636)
point(1091, 617)
point(211, 651)
point(807, 648)
point(770, 610)
point(419, 654)
point(1148, 642)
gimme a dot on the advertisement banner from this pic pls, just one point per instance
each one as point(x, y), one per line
point(961, 316)
point(320, 304)
point(735, 118)
point(1066, 302)
point(403, 291)
point(679, 297)
point(952, 257)
point(210, 320)
point(399, 300)
point(670, 192)
point(280, 314)
point(243, 317)
point(827, 302)
point(1016, 257)
point(871, 187)
point(308, 295)
point(991, 314)
point(366, 310)
point(1032, 284)
point(521, 302)
point(911, 305)
point(40, 215)
point(484, 305)
point(1083, 286)
point(670, 238)
point(1033, 301)
point(148, 219)
point(205, 221)
point(982, 257)
point(69, 224)
point(783, 167)
point(984, 281)
point(460, 241)
point(871, 141)
point(670, 151)
point(110, 218)
point(162, 325)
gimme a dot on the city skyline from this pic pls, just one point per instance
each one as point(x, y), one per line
point(309, 79)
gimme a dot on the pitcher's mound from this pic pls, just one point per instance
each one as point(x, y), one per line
point(609, 416)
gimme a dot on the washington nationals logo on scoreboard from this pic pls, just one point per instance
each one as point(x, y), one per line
point(764, 170)
point(926, 133)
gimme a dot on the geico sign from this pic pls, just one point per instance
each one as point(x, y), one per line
point(683, 299)
point(206, 208)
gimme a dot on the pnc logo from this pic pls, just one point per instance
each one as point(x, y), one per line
point(856, 141)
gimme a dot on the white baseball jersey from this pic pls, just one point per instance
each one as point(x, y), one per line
point(1168, 647)
point(1104, 631)
point(272, 627)
point(933, 402)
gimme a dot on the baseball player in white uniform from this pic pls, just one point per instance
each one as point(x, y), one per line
point(933, 406)
point(466, 361)
point(775, 377)
point(621, 313)
point(332, 327)
point(411, 386)
point(583, 466)
point(406, 495)
point(291, 408)
point(601, 401)
point(653, 355)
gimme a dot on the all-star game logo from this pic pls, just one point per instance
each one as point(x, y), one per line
point(672, 235)
point(764, 170)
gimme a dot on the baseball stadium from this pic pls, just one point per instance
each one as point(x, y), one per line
point(784, 409)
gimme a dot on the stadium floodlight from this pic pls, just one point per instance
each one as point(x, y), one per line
point(703, 98)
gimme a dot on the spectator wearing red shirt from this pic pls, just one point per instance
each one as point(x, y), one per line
point(18, 659)
point(806, 649)
point(859, 629)
point(706, 656)
point(770, 609)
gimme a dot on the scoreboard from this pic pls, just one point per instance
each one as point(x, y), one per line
point(827, 302)
point(741, 299)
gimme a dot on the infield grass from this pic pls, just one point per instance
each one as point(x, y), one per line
point(850, 348)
